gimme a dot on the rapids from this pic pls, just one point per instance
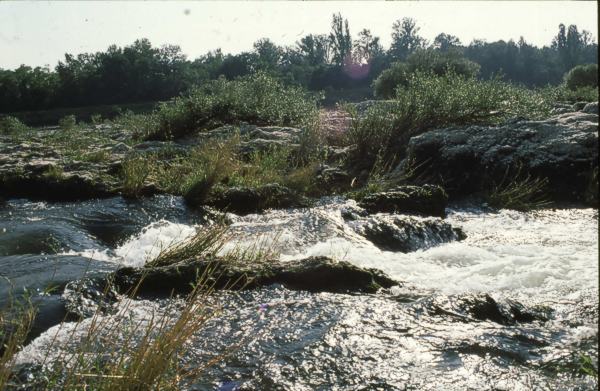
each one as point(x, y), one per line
point(293, 340)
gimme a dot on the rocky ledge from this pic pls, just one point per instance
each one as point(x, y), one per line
point(562, 149)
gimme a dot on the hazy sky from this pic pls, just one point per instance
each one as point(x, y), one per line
point(39, 33)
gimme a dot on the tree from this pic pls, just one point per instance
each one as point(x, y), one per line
point(340, 40)
point(405, 39)
point(315, 48)
point(366, 47)
point(268, 55)
point(445, 42)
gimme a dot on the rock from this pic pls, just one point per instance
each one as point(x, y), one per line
point(333, 179)
point(120, 148)
point(88, 296)
point(578, 106)
point(428, 200)
point(255, 138)
point(316, 274)
point(466, 160)
point(245, 200)
point(39, 171)
point(406, 234)
point(591, 108)
point(482, 307)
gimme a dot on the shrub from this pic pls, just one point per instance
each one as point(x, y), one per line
point(563, 94)
point(582, 76)
point(431, 102)
point(441, 63)
point(423, 61)
point(384, 87)
point(12, 125)
point(258, 99)
point(67, 123)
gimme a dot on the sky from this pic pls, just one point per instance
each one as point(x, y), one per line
point(39, 33)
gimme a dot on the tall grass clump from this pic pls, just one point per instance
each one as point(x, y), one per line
point(207, 241)
point(15, 323)
point(518, 191)
point(258, 99)
point(134, 172)
point(429, 101)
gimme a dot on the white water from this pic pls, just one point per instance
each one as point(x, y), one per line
point(532, 252)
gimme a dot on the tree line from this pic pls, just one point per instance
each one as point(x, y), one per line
point(140, 72)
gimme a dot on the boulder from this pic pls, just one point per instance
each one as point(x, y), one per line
point(465, 160)
point(427, 200)
point(245, 200)
point(315, 274)
point(406, 234)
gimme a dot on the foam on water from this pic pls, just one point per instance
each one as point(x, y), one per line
point(508, 250)
point(148, 244)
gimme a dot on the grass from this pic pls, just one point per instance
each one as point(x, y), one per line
point(519, 194)
point(207, 241)
point(119, 354)
point(121, 351)
point(134, 172)
point(54, 172)
point(216, 162)
point(430, 102)
point(15, 323)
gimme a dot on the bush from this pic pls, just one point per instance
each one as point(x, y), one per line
point(258, 99)
point(384, 87)
point(562, 94)
point(582, 76)
point(424, 61)
point(12, 125)
point(431, 102)
point(441, 63)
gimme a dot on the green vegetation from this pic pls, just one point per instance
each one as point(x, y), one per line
point(258, 99)
point(15, 323)
point(431, 101)
point(582, 76)
point(215, 162)
point(519, 194)
point(12, 126)
point(206, 242)
point(127, 76)
point(431, 61)
point(134, 172)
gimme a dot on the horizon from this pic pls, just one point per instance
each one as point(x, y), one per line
point(40, 34)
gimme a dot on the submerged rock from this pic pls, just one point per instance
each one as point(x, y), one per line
point(482, 307)
point(427, 200)
point(465, 160)
point(315, 274)
point(406, 234)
